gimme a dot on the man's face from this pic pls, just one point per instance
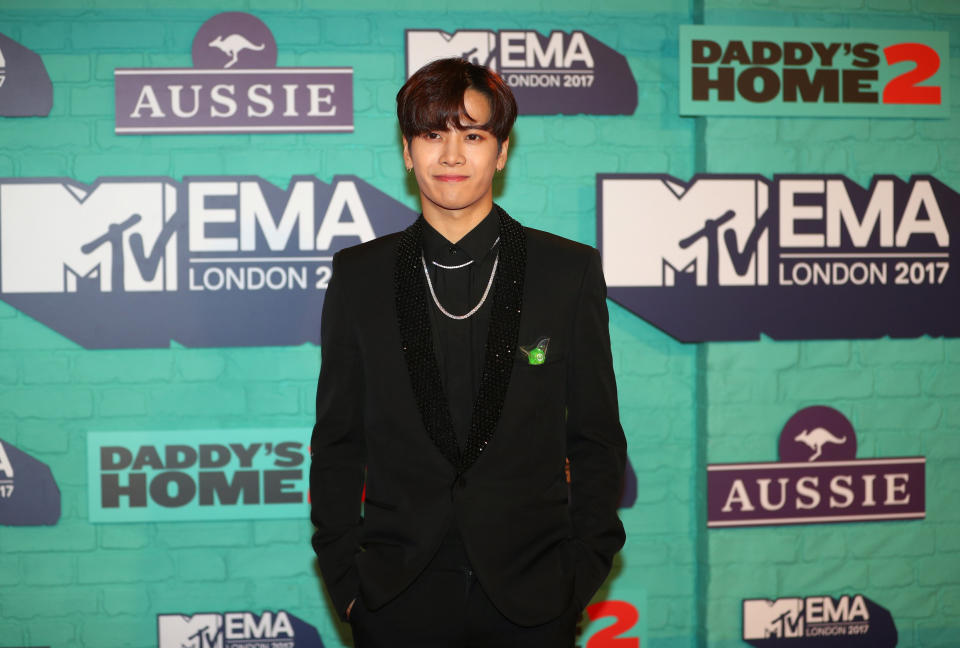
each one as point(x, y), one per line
point(454, 168)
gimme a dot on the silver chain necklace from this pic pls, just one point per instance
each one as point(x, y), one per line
point(473, 310)
point(462, 265)
point(456, 267)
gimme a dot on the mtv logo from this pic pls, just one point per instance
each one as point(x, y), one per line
point(425, 45)
point(58, 236)
point(781, 618)
point(656, 231)
point(182, 631)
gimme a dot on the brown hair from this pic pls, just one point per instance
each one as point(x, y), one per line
point(432, 99)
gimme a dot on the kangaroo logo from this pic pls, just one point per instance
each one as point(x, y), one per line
point(815, 439)
point(234, 39)
point(818, 432)
point(232, 45)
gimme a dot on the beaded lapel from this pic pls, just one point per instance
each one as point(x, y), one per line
point(413, 318)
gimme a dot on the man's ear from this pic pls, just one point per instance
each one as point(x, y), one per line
point(407, 159)
point(502, 154)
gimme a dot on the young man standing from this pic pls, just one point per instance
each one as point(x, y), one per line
point(465, 360)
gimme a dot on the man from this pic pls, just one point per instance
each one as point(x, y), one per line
point(465, 359)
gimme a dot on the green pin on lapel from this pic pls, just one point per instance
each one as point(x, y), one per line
point(537, 354)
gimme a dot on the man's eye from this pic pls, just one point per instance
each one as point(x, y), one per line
point(432, 135)
point(474, 136)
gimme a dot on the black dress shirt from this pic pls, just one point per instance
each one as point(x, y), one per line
point(459, 285)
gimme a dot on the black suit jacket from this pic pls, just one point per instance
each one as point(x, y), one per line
point(534, 540)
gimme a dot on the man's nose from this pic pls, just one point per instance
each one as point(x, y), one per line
point(452, 154)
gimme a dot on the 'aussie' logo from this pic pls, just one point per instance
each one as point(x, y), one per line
point(138, 262)
point(565, 73)
point(818, 479)
point(234, 87)
point(728, 257)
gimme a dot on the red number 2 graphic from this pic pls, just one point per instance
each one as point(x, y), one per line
point(903, 89)
point(626, 616)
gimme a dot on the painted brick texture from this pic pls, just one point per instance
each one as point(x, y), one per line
point(79, 585)
point(97, 586)
point(899, 394)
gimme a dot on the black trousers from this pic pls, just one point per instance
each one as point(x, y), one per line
point(446, 607)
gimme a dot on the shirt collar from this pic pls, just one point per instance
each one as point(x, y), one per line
point(472, 247)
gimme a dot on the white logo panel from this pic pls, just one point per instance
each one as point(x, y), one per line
point(197, 631)
point(426, 45)
point(654, 229)
point(763, 619)
point(53, 235)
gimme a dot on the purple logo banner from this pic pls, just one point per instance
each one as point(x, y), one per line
point(208, 261)
point(270, 629)
point(233, 88)
point(25, 87)
point(798, 257)
point(808, 486)
point(818, 622)
point(29, 495)
point(565, 73)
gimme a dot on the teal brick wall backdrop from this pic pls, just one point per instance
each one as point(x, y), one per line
point(81, 585)
point(900, 395)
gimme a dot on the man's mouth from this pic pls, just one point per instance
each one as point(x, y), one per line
point(450, 178)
